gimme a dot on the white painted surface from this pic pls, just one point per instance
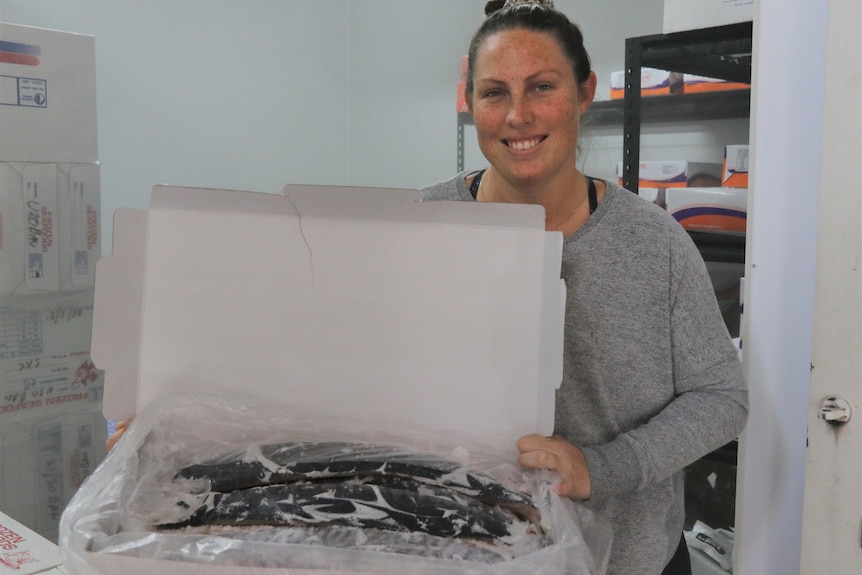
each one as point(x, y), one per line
point(832, 525)
point(787, 102)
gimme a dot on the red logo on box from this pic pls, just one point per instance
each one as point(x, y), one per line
point(17, 559)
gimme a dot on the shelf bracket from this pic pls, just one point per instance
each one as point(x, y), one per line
point(632, 114)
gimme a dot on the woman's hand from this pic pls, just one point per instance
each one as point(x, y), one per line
point(561, 457)
point(118, 433)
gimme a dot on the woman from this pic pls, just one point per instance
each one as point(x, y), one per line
point(652, 381)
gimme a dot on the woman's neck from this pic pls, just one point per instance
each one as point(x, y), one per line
point(566, 199)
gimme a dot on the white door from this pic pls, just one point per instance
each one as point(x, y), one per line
point(832, 519)
point(799, 500)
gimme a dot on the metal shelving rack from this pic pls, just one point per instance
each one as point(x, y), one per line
point(722, 52)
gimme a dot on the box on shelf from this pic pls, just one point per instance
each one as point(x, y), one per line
point(682, 15)
point(654, 195)
point(709, 209)
point(49, 227)
point(674, 174)
point(461, 106)
point(694, 84)
point(48, 96)
point(654, 82)
point(735, 168)
point(24, 552)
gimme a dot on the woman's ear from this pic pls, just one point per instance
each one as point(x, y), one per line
point(587, 92)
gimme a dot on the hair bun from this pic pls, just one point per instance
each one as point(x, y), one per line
point(494, 5)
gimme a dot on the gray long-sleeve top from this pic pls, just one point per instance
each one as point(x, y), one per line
point(651, 378)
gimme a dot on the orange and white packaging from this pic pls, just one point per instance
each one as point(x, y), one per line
point(671, 174)
point(694, 84)
point(462, 85)
point(709, 209)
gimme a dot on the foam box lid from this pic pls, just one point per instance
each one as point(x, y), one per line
point(361, 301)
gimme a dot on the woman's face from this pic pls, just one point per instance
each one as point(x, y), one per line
point(526, 106)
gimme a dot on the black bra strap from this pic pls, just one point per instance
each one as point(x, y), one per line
point(593, 195)
point(591, 190)
point(474, 186)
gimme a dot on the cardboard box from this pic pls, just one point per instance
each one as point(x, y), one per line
point(694, 84)
point(654, 195)
point(45, 461)
point(48, 96)
point(682, 15)
point(45, 356)
point(24, 552)
point(654, 82)
point(735, 167)
point(49, 227)
point(461, 105)
point(673, 174)
point(709, 209)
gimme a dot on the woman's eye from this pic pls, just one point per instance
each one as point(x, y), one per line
point(544, 87)
point(491, 93)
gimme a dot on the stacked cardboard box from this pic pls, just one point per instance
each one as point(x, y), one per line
point(461, 105)
point(52, 433)
point(735, 167)
point(654, 82)
point(674, 174)
point(695, 193)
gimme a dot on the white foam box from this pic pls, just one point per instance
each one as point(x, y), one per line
point(49, 227)
point(45, 356)
point(25, 552)
point(709, 209)
point(45, 460)
point(47, 95)
point(671, 173)
point(682, 15)
point(735, 167)
point(359, 300)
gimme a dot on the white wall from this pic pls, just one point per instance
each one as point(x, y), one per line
point(258, 94)
point(224, 94)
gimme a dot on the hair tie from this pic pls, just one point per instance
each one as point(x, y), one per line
point(494, 5)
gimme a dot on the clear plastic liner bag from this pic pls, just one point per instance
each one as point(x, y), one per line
point(223, 483)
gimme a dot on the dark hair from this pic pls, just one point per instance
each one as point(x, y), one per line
point(535, 17)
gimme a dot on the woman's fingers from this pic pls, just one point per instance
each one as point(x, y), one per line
point(558, 455)
point(118, 433)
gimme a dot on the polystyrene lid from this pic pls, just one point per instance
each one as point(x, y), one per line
point(359, 301)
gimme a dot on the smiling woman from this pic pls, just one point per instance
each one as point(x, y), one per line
point(652, 381)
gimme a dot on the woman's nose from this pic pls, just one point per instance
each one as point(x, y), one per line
point(519, 111)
